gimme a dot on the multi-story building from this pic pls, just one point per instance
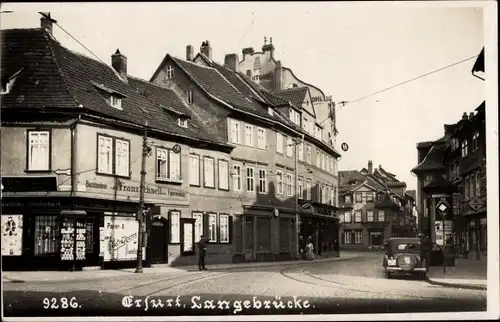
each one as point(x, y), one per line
point(452, 184)
point(273, 164)
point(372, 211)
point(72, 139)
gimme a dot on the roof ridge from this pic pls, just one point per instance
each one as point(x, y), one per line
point(292, 89)
point(190, 62)
point(61, 73)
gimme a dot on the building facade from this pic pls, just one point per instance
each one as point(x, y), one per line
point(375, 207)
point(452, 183)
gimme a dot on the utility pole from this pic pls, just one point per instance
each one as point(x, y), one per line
point(140, 214)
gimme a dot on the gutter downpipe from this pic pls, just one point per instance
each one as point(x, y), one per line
point(74, 158)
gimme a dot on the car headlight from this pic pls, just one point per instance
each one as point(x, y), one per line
point(391, 262)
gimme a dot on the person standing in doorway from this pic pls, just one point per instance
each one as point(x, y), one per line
point(309, 249)
point(202, 248)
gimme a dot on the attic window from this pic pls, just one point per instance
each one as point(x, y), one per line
point(270, 111)
point(182, 122)
point(8, 83)
point(190, 97)
point(170, 72)
point(116, 102)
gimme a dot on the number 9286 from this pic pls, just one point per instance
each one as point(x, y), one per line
point(62, 303)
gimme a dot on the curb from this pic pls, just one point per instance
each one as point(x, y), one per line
point(452, 285)
point(184, 268)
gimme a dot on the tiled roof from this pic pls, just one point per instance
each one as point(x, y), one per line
point(433, 160)
point(55, 77)
point(412, 193)
point(294, 95)
point(439, 182)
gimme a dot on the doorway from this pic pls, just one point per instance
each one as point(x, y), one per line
point(159, 240)
point(187, 236)
point(376, 239)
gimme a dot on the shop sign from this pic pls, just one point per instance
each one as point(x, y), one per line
point(476, 203)
point(31, 204)
point(150, 189)
point(12, 235)
point(267, 76)
point(120, 238)
point(29, 184)
point(316, 99)
point(456, 204)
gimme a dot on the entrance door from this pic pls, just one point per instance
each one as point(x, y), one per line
point(376, 239)
point(187, 235)
point(249, 241)
point(159, 238)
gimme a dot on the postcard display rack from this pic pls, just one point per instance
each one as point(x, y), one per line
point(73, 240)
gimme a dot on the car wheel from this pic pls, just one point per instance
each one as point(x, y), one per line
point(388, 274)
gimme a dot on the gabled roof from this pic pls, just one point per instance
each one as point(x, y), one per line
point(294, 95)
point(479, 63)
point(54, 77)
point(440, 183)
point(433, 160)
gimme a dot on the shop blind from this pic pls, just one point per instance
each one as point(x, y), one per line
point(263, 234)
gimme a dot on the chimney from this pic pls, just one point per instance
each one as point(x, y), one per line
point(268, 47)
point(119, 63)
point(206, 50)
point(247, 51)
point(278, 76)
point(471, 115)
point(189, 53)
point(231, 61)
point(464, 116)
point(370, 167)
point(46, 22)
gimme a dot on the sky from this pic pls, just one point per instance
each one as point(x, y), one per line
point(349, 50)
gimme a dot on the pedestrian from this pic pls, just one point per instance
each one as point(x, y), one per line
point(202, 247)
point(309, 249)
point(302, 246)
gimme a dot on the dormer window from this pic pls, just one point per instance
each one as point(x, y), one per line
point(190, 97)
point(116, 102)
point(170, 72)
point(182, 122)
point(7, 84)
point(270, 111)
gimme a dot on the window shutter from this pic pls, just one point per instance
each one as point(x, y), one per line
point(206, 223)
point(230, 229)
point(217, 225)
point(170, 227)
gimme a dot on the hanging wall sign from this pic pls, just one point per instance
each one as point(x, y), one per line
point(12, 235)
point(344, 147)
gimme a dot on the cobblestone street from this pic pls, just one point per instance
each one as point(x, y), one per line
point(347, 286)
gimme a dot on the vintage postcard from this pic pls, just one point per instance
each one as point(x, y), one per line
point(249, 161)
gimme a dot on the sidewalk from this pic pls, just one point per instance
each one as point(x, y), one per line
point(54, 276)
point(467, 273)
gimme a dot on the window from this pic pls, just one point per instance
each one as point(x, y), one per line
point(357, 216)
point(381, 215)
point(333, 196)
point(39, 151)
point(358, 237)
point(369, 215)
point(198, 225)
point(47, 240)
point(472, 184)
point(212, 228)
point(223, 175)
point(190, 97)
point(369, 196)
point(297, 119)
point(300, 184)
point(250, 180)
point(347, 237)
point(116, 102)
point(174, 165)
point(261, 138)
point(347, 217)
point(305, 125)
point(428, 179)
point(279, 142)
point(325, 162)
point(308, 189)
point(224, 228)
point(248, 135)
point(327, 199)
point(289, 184)
point(466, 188)
point(308, 154)
point(475, 141)
point(208, 172)
point(182, 122)
point(237, 177)
point(301, 151)
point(235, 131)
point(194, 170)
point(348, 199)
point(262, 181)
point(279, 180)
point(478, 184)
point(270, 111)
point(289, 147)
point(175, 218)
point(122, 158)
point(318, 158)
point(170, 72)
point(358, 197)
point(465, 150)
point(323, 193)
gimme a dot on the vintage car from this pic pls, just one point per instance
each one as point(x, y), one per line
point(405, 255)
